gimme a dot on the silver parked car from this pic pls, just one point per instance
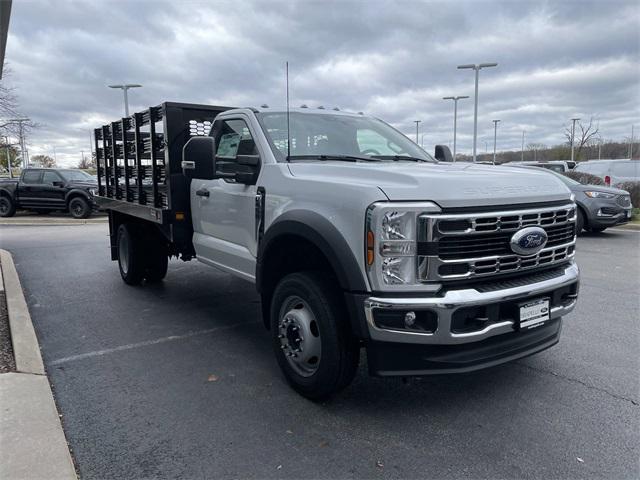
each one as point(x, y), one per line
point(612, 172)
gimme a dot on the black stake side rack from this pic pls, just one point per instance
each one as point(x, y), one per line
point(139, 164)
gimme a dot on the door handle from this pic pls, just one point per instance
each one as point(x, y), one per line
point(203, 192)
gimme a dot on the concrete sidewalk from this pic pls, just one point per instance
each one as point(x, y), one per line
point(32, 442)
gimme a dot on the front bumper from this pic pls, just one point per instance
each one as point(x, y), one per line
point(475, 327)
point(606, 213)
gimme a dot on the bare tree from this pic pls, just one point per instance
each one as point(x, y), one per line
point(583, 135)
point(44, 161)
point(8, 99)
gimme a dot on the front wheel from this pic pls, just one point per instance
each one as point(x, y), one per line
point(79, 208)
point(579, 221)
point(310, 335)
point(7, 207)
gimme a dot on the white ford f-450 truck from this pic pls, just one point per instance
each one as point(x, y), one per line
point(353, 235)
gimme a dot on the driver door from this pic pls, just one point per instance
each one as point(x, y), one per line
point(223, 211)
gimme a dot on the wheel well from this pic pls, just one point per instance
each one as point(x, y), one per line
point(288, 254)
point(75, 195)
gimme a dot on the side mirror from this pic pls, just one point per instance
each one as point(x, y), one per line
point(198, 158)
point(443, 154)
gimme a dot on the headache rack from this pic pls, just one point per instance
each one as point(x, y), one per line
point(139, 165)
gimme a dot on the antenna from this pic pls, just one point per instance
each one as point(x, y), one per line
point(288, 131)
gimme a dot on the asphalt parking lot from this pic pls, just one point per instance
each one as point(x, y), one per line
point(178, 380)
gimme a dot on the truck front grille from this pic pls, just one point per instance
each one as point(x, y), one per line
point(458, 246)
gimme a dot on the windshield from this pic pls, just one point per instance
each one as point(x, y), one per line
point(342, 137)
point(76, 175)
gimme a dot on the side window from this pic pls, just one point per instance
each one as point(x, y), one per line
point(50, 177)
point(371, 142)
point(31, 176)
point(235, 139)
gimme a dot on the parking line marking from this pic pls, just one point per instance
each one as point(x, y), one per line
point(107, 351)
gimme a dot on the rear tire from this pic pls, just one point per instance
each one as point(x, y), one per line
point(131, 256)
point(79, 208)
point(157, 262)
point(310, 335)
point(7, 207)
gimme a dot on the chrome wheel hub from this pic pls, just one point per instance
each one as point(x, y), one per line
point(299, 336)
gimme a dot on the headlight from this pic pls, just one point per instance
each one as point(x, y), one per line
point(391, 244)
point(596, 194)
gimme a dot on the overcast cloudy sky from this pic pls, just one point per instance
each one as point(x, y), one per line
point(394, 60)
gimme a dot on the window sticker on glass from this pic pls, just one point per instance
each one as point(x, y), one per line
point(228, 145)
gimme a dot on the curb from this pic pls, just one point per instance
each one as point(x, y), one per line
point(32, 444)
point(43, 222)
point(629, 226)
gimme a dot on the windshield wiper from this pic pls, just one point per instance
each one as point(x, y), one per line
point(345, 158)
point(396, 158)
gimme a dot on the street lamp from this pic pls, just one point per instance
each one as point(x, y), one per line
point(573, 132)
point(495, 136)
point(124, 89)
point(417, 122)
point(522, 151)
point(455, 119)
point(477, 69)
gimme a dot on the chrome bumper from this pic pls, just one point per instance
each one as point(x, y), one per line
point(452, 300)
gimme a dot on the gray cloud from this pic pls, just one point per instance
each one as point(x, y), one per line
point(394, 60)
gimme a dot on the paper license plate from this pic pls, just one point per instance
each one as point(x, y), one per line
point(533, 314)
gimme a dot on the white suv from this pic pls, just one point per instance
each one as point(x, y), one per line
point(612, 172)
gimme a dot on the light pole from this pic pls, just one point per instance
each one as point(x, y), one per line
point(495, 137)
point(573, 132)
point(522, 151)
point(477, 69)
point(455, 119)
point(417, 122)
point(124, 89)
point(631, 146)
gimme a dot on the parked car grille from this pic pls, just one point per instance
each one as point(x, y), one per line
point(453, 247)
point(623, 200)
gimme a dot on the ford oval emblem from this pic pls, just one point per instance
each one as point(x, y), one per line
point(528, 241)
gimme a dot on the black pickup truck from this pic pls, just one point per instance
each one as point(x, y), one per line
point(44, 190)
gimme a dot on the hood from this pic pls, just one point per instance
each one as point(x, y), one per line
point(448, 184)
point(598, 188)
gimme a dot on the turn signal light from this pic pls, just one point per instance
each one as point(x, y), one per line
point(370, 247)
point(179, 215)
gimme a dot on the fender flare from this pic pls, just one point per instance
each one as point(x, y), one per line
point(323, 234)
point(75, 193)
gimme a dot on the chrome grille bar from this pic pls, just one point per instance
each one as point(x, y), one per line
point(477, 244)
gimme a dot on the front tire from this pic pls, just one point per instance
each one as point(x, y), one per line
point(79, 208)
point(310, 335)
point(7, 207)
point(579, 221)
